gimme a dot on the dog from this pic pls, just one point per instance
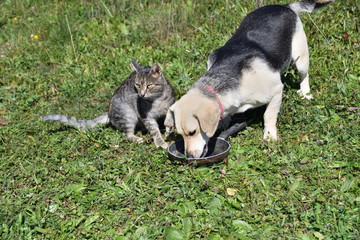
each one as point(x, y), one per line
point(246, 73)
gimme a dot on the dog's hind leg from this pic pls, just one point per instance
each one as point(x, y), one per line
point(300, 54)
point(271, 113)
point(302, 66)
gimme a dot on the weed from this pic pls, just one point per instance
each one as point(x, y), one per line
point(69, 56)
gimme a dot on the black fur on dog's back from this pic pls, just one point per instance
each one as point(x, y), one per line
point(258, 36)
point(246, 73)
point(269, 36)
point(263, 34)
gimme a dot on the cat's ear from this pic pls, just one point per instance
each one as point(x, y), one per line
point(155, 71)
point(135, 66)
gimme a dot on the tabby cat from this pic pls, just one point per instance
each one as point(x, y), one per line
point(142, 99)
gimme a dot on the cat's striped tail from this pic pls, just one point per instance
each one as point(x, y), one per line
point(308, 5)
point(78, 123)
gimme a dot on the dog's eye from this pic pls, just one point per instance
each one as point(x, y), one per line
point(192, 133)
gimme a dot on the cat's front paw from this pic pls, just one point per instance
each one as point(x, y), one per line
point(162, 144)
point(136, 139)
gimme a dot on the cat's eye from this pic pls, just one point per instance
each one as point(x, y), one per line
point(137, 85)
point(149, 86)
point(192, 133)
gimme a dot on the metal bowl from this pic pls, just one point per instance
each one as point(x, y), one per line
point(218, 148)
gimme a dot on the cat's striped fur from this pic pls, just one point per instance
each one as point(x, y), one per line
point(142, 99)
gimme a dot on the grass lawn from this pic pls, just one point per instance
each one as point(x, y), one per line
point(68, 57)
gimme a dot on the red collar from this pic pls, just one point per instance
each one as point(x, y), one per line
point(217, 97)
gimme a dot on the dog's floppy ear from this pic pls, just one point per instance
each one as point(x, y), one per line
point(169, 119)
point(208, 117)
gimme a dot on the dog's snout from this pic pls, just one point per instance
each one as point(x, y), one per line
point(199, 153)
point(196, 146)
point(194, 154)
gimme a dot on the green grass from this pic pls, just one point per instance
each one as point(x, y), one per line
point(59, 183)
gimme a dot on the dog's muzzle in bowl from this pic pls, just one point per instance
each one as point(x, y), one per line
point(215, 151)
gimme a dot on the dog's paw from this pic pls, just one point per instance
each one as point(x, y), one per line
point(307, 96)
point(270, 135)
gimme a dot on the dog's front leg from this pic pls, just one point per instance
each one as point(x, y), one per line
point(271, 113)
point(224, 123)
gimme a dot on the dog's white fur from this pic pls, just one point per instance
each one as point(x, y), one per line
point(196, 116)
point(300, 54)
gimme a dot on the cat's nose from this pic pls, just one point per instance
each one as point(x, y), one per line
point(143, 93)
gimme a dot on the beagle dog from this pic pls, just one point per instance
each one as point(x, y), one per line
point(246, 73)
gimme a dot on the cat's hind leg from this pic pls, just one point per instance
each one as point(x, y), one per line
point(125, 118)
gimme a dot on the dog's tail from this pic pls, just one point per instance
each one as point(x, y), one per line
point(78, 123)
point(308, 5)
